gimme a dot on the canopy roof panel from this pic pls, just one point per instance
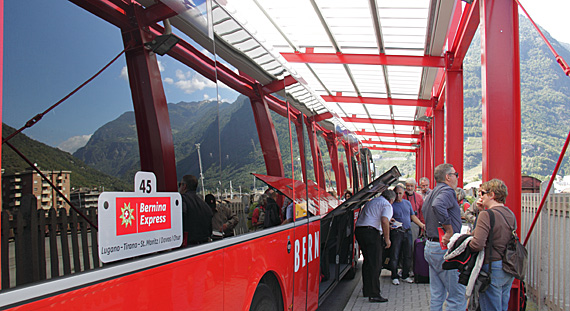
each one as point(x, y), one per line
point(360, 60)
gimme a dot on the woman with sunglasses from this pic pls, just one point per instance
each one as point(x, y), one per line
point(492, 196)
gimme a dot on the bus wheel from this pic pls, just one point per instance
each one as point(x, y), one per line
point(263, 299)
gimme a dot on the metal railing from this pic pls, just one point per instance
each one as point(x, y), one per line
point(548, 278)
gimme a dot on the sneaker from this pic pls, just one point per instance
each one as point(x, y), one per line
point(395, 281)
point(409, 280)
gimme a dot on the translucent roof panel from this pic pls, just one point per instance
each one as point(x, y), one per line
point(317, 43)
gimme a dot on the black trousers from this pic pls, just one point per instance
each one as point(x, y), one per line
point(371, 244)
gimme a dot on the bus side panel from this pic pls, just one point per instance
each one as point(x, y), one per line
point(246, 263)
point(314, 265)
point(189, 284)
point(300, 265)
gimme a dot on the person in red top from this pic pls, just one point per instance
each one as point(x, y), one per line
point(414, 198)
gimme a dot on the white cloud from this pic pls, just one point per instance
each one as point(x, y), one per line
point(189, 82)
point(206, 96)
point(124, 74)
point(73, 143)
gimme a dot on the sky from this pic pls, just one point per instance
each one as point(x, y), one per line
point(46, 56)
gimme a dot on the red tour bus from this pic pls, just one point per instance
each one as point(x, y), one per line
point(292, 266)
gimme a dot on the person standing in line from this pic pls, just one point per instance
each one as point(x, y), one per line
point(417, 201)
point(493, 195)
point(223, 220)
point(424, 187)
point(373, 235)
point(401, 236)
point(196, 214)
point(441, 211)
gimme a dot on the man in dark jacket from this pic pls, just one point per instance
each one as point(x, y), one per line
point(196, 214)
point(440, 210)
point(272, 211)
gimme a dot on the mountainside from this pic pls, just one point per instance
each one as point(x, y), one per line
point(545, 103)
point(49, 158)
point(113, 148)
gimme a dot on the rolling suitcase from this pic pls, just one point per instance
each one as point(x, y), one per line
point(421, 268)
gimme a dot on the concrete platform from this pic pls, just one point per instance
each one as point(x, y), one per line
point(403, 297)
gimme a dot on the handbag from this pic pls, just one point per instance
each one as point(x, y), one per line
point(515, 258)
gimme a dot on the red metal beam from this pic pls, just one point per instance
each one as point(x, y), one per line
point(365, 59)
point(377, 101)
point(267, 136)
point(316, 153)
point(278, 85)
point(388, 143)
point(322, 116)
point(156, 148)
point(465, 32)
point(156, 13)
point(454, 121)
point(391, 149)
point(377, 134)
point(382, 121)
point(438, 133)
point(114, 12)
point(500, 84)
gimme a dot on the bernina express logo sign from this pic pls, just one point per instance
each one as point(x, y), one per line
point(140, 222)
point(147, 214)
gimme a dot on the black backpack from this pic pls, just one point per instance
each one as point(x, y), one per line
point(272, 217)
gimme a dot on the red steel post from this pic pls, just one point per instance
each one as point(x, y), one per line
point(316, 153)
point(267, 135)
point(500, 81)
point(156, 147)
point(454, 121)
point(438, 137)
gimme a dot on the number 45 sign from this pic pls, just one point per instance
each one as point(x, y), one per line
point(139, 222)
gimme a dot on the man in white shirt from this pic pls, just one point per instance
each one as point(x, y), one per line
point(373, 235)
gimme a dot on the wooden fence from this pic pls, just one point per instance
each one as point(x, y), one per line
point(37, 245)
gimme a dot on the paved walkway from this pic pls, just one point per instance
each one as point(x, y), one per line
point(403, 297)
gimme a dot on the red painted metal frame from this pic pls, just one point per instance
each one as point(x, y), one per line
point(301, 141)
point(500, 81)
point(391, 149)
point(388, 143)
point(156, 147)
point(267, 136)
point(378, 101)
point(278, 85)
point(348, 152)
point(383, 121)
point(113, 12)
point(464, 35)
point(322, 116)
point(429, 155)
point(380, 134)
point(333, 154)
point(438, 137)
point(316, 153)
point(454, 121)
point(364, 59)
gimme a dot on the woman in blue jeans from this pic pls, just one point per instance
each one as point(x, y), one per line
point(492, 196)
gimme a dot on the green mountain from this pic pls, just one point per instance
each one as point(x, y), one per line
point(229, 145)
point(545, 103)
point(49, 158)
